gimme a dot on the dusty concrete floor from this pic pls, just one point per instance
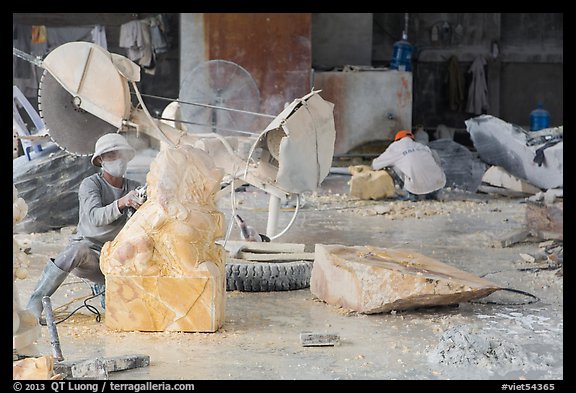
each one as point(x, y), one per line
point(260, 336)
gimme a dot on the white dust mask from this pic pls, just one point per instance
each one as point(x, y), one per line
point(116, 168)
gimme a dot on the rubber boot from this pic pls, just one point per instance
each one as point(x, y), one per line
point(52, 277)
point(100, 289)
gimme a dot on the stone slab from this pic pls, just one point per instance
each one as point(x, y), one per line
point(187, 303)
point(310, 339)
point(500, 177)
point(100, 366)
point(374, 280)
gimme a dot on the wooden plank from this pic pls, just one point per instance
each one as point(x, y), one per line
point(545, 235)
point(501, 191)
point(263, 246)
point(545, 244)
point(527, 257)
point(309, 339)
point(296, 256)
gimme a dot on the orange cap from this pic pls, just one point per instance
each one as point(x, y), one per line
point(403, 133)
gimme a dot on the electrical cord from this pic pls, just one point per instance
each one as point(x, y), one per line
point(535, 298)
point(89, 307)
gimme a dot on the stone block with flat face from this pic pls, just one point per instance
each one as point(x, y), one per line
point(367, 183)
point(372, 280)
point(192, 303)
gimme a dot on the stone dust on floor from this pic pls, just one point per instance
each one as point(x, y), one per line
point(505, 336)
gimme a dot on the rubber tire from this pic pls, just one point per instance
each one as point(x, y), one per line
point(267, 277)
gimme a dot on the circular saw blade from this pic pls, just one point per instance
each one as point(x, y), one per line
point(72, 129)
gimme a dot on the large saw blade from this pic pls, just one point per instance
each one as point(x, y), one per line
point(70, 127)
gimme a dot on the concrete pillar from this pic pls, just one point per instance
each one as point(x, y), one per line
point(493, 71)
point(192, 43)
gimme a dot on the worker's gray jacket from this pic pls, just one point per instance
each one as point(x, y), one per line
point(419, 164)
point(100, 220)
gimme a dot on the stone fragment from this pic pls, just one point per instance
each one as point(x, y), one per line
point(500, 177)
point(95, 368)
point(527, 258)
point(35, 369)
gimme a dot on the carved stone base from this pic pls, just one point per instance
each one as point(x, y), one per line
point(188, 303)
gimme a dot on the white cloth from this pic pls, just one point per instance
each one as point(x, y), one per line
point(159, 44)
point(132, 37)
point(419, 164)
point(99, 36)
point(478, 89)
point(147, 53)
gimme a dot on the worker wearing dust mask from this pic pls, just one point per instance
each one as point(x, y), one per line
point(104, 199)
point(415, 167)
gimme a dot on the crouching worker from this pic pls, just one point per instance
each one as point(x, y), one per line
point(104, 199)
point(414, 167)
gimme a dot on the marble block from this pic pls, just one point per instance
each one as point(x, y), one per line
point(193, 303)
point(372, 280)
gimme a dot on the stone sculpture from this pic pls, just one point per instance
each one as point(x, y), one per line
point(164, 271)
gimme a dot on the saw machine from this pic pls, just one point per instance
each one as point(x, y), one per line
point(84, 93)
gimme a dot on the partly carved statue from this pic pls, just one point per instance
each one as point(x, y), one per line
point(164, 271)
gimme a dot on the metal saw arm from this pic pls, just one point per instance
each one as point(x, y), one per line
point(84, 93)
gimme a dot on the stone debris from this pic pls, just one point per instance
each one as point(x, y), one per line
point(549, 256)
point(40, 368)
point(548, 197)
point(462, 346)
